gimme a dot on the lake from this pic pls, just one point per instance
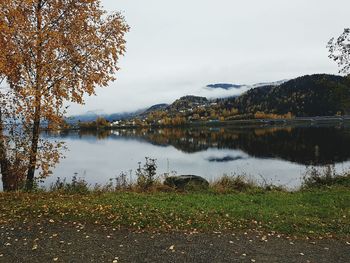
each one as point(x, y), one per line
point(278, 155)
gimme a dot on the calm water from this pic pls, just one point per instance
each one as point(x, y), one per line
point(279, 155)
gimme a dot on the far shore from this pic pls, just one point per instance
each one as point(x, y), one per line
point(241, 123)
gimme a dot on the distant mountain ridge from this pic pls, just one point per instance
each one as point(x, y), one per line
point(306, 96)
point(228, 86)
point(156, 107)
point(310, 95)
point(224, 86)
point(275, 83)
point(224, 90)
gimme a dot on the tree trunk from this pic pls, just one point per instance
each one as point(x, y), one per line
point(34, 147)
point(37, 102)
point(3, 157)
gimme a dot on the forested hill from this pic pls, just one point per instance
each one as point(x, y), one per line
point(306, 96)
point(311, 95)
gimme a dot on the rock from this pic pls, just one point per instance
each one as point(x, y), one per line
point(187, 182)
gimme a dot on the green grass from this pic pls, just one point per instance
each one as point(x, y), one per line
point(316, 212)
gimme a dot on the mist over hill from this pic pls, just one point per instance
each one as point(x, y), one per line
point(224, 86)
point(310, 95)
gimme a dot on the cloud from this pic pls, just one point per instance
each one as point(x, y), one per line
point(178, 47)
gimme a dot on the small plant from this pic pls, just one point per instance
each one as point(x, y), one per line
point(238, 183)
point(146, 175)
point(106, 188)
point(269, 186)
point(76, 186)
point(121, 182)
point(326, 177)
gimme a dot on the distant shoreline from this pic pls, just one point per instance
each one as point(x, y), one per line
point(319, 120)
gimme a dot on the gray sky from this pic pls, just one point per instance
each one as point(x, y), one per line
point(176, 48)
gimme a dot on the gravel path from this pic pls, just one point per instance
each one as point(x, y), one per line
point(59, 242)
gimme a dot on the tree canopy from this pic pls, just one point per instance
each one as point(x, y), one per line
point(52, 52)
point(339, 50)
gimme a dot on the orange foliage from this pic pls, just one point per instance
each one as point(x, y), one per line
point(53, 52)
point(262, 115)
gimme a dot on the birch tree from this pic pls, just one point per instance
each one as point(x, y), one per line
point(51, 52)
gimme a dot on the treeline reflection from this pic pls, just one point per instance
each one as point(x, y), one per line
point(303, 145)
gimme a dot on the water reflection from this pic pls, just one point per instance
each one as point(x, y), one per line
point(302, 145)
point(278, 155)
point(227, 158)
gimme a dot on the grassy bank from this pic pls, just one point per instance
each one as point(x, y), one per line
point(321, 211)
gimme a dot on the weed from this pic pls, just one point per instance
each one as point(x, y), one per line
point(76, 186)
point(239, 183)
point(146, 175)
point(326, 177)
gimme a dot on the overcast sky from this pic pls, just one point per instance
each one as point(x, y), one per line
point(176, 48)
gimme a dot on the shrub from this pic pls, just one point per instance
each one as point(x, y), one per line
point(146, 175)
point(326, 177)
point(238, 183)
point(76, 186)
point(121, 182)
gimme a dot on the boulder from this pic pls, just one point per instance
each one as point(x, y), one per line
point(187, 182)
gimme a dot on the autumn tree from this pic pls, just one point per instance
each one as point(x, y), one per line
point(14, 142)
point(51, 52)
point(339, 50)
point(101, 123)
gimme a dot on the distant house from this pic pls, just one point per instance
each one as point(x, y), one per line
point(115, 123)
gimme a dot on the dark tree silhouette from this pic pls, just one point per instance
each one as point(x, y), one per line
point(339, 50)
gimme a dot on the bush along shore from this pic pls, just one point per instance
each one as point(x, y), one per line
point(321, 207)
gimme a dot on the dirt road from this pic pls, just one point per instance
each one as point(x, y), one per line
point(73, 242)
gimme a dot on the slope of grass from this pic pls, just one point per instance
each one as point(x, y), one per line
point(315, 212)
